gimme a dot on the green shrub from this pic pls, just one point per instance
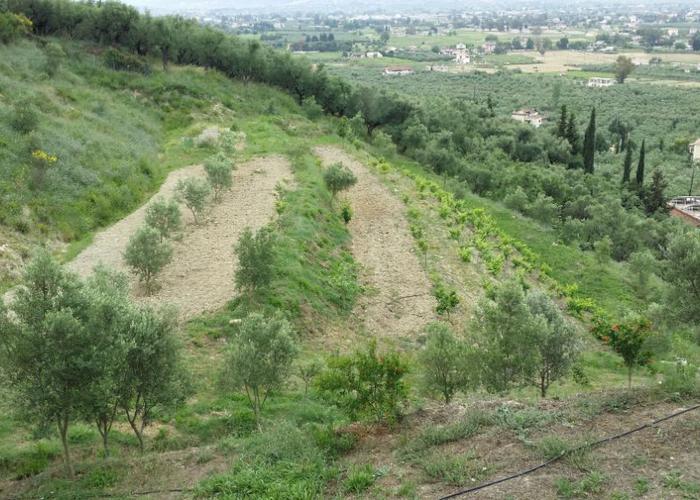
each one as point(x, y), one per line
point(338, 177)
point(119, 60)
point(13, 26)
point(366, 384)
point(24, 118)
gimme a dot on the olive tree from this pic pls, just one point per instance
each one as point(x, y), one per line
point(48, 355)
point(218, 169)
point(682, 271)
point(255, 260)
point(447, 364)
point(557, 343)
point(164, 216)
point(152, 375)
point(146, 254)
point(108, 321)
point(506, 329)
point(338, 177)
point(194, 193)
point(524, 340)
point(260, 358)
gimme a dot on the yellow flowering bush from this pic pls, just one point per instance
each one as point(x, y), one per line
point(44, 157)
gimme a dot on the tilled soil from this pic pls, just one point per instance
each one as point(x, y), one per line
point(200, 276)
point(399, 303)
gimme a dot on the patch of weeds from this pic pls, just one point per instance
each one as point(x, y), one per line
point(577, 455)
point(29, 461)
point(523, 421)
point(204, 456)
point(166, 441)
point(456, 470)
point(641, 486)
point(674, 480)
point(468, 426)
point(592, 484)
point(407, 490)
point(551, 447)
point(281, 463)
point(333, 441)
point(81, 434)
point(359, 479)
point(639, 460)
point(104, 476)
point(619, 495)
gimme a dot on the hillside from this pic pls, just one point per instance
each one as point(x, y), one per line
point(348, 285)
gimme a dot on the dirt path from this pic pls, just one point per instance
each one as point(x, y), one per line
point(200, 276)
point(402, 303)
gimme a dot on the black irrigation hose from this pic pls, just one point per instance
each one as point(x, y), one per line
point(568, 452)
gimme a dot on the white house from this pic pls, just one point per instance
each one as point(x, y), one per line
point(374, 55)
point(460, 46)
point(462, 57)
point(695, 150)
point(398, 70)
point(672, 32)
point(489, 47)
point(600, 82)
point(526, 115)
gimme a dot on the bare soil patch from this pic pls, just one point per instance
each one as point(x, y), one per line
point(200, 276)
point(399, 301)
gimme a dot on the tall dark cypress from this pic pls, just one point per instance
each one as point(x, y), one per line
point(589, 145)
point(640, 166)
point(561, 126)
point(627, 166)
point(572, 134)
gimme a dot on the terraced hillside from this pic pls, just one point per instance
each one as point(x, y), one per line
point(358, 282)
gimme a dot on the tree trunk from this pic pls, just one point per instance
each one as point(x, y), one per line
point(543, 386)
point(139, 434)
point(63, 431)
point(629, 377)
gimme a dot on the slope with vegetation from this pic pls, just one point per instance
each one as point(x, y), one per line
point(539, 339)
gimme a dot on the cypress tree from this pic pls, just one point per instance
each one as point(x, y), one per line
point(627, 166)
point(572, 134)
point(589, 145)
point(561, 126)
point(640, 166)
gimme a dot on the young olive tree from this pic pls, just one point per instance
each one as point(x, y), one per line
point(447, 364)
point(164, 216)
point(218, 169)
point(308, 371)
point(194, 193)
point(255, 260)
point(557, 344)
point(506, 329)
point(152, 376)
point(49, 357)
point(260, 358)
point(108, 321)
point(338, 178)
point(523, 340)
point(147, 255)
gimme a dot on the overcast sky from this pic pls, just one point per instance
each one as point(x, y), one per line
point(286, 6)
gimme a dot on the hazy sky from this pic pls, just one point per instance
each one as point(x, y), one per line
point(282, 6)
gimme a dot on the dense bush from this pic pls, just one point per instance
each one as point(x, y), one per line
point(366, 384)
